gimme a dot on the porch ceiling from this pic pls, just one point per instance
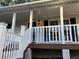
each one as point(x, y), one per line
point(34, 5)
point(46, 13)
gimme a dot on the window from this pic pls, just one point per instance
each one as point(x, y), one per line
point(34, 24)
point(45, 22)
point(66, 22)
point(70, 21)
point(54, 22)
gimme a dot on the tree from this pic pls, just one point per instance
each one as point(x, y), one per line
point(5, 2)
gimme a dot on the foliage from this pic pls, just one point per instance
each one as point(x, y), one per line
point(7, 2)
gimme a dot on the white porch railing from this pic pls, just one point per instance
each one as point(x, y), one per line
point(47, 34)
point(26, 40)
point(71, 33)
point(52, 34)
point(11, 48)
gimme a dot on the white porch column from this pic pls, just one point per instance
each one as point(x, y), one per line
point(62, 23)
point(30, 26)
point(66, 53)
point(2, 37)
point(31, 18)
point(61, 15)
point(13, 22)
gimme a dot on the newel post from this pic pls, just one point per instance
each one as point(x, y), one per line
point(2, 37)
point(23, 28)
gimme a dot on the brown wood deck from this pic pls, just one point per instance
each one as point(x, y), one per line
point(53, 46)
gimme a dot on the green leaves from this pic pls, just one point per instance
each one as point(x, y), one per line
point(11, 2)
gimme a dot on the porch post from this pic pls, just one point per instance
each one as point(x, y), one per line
point(62, 20)
point(65, 52)
point(30, 26)
point(61, 15)
point(31, 18)
point(23, 28)
point(13, 22)
point(2, 37)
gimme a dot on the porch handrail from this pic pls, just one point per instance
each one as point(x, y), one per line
point(12, 46)
point(44, 34)
point(26, 40)
point(72, 33)
point(52, 34)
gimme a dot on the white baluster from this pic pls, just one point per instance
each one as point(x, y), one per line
point(9, 53)
point(59, 34)
point(75, 33)
point(3, 55)
point(55, 35)
point(67, 28)
point(78, 32)
point(70, 33)
point(43, 34)
point(49, 34)
point(39, 34)
point(46, 34)
point(52, 33)
point(35, 34)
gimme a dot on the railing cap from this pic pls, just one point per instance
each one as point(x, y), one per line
point(2, 23)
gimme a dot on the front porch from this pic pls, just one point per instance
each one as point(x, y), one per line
point(40, 24)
